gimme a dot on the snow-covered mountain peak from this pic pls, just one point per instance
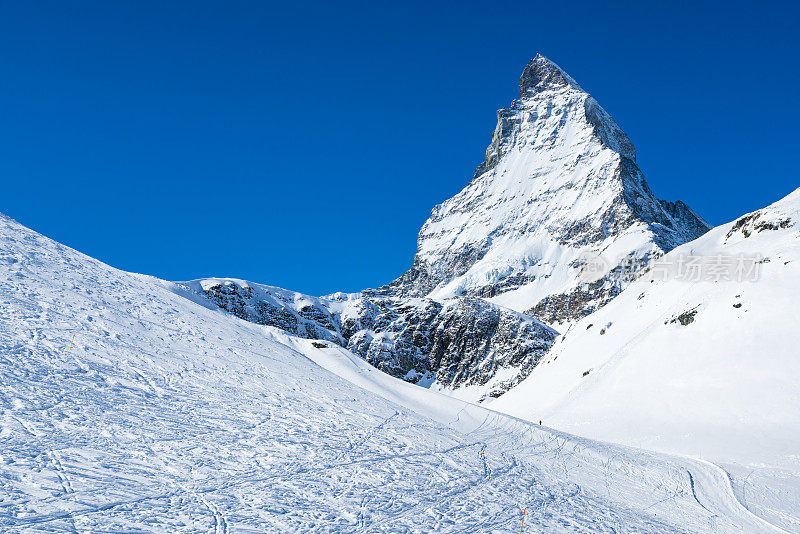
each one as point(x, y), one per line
point(541, 74)
point(559, 181)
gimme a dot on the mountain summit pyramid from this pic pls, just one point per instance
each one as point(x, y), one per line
point(559, 187)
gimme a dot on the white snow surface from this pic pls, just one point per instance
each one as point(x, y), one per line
point(725, 387)
point(164, 415)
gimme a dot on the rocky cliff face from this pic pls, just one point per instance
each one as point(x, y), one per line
point(454, 343)
point(302, 315)
point(560, 181)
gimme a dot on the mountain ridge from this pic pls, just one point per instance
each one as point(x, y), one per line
point(448, 344)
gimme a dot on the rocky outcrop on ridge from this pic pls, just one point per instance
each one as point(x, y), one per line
point(455, 343)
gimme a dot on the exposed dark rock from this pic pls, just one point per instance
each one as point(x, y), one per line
point(463, 341)
point(541, 74)
point(753, 223)
point(474, 339)
point(685, 318)
point(680, 211)
point(311, 321)
point(578, 303)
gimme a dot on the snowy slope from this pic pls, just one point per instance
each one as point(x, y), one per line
point(165, 415)
point(709, 368)
point(560, 180)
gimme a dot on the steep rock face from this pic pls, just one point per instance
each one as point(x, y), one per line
point(455, 343)
point(475, 343)
point(559, 181)
point(394, 335)
point(459, 342)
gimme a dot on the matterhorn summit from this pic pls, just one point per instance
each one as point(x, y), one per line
point(558, 217)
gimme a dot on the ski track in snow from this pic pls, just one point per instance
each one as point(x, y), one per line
point(165, 416)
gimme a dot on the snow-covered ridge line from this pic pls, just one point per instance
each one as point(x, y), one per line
point(453, 343)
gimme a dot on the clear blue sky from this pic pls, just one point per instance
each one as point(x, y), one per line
point(303, 146)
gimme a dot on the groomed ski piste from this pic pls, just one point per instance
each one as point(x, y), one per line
point(164, 415)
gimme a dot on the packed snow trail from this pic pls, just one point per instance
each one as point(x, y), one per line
point(167, 416)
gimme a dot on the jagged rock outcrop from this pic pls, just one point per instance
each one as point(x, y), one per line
point(298, 314)
point(475, 341)
point(455, 343)
point(560, 179)
point(459, 342)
